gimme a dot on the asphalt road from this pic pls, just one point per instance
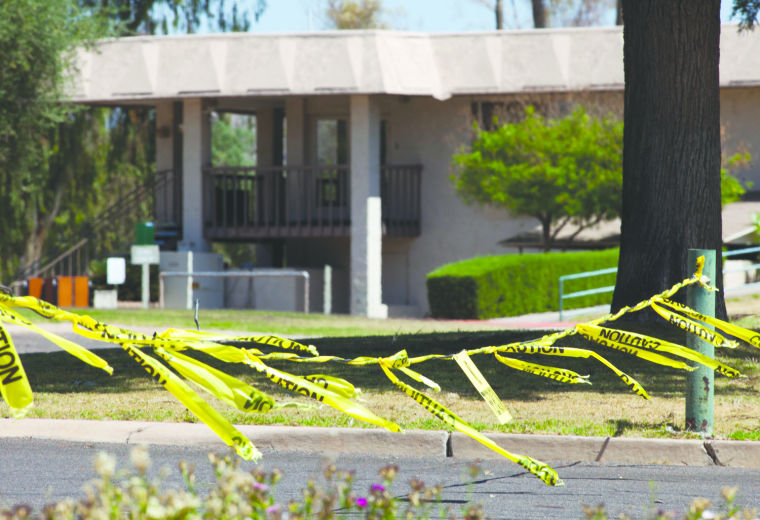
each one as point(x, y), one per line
point(37, 472)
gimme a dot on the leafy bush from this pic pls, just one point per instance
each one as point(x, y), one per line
point(510, 285)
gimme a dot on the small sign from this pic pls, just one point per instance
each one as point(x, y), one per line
point(142, 255)
point(116, 270)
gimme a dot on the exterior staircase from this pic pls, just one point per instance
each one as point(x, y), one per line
point(112, 231)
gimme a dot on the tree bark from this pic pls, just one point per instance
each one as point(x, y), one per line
point(671, 145)
point(499, 12)
point(539, 13)
point(619, 12)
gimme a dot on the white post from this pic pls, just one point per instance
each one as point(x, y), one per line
point(189, 300)
point(366, 218)
point(196, 135)
point(145, 286)
point(327, 290)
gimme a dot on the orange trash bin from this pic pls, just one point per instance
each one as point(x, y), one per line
point(65, 291)
point(35, 287)
point(81, 291)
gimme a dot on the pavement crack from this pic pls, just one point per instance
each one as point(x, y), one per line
point(604, 448)
point(129, 437)
point(710, 450)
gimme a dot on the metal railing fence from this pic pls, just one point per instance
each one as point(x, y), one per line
point(612, 270)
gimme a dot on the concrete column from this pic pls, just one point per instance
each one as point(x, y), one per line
point(295, 118)
point(366, 223)
point(196, 153)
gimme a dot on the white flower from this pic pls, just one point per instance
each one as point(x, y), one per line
point(105, 465)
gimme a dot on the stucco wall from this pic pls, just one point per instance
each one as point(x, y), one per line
point(429, 132)
point(740, 119)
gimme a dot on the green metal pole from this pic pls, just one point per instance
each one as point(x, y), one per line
point(699, 383)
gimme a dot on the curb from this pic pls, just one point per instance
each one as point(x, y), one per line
point(277, 438)
point(615, 450)
point(412, 443)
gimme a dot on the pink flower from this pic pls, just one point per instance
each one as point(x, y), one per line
point(378, 487)
point(361, 502)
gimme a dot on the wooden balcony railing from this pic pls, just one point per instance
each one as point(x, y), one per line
point(245, 203)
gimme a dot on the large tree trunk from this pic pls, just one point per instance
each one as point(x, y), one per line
point(539, 13)
point(671, 144)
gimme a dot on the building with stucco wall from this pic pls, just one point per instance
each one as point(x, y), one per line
point(355, 133)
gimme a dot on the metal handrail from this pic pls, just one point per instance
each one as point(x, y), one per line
point(611, 270)
point(253, 273)
point(587, 292)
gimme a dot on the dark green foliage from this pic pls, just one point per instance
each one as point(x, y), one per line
point(37, 43)
point(510, 285)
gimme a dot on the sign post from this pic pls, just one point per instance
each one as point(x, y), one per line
point(144, 253)
point(700, 382)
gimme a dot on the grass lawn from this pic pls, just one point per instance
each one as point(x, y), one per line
point(66, 388)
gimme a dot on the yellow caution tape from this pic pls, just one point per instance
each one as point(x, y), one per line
point(746, 335)
point(612, 338)
point(623, 340)
point(229, 389)
point(14, 385)
point(558, 374)
point(200, 408)
point(335, 385)
point(72, 348)
point(693, 327)
point(543, 349)
point(544, 472)
point(303, 386)
point(481, 385)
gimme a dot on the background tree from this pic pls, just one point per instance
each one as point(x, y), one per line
point(559, 13)
point(233, 140)
point(176, 16)
point(564, 171)
point(56, 157)
point(355, 14)
point(672, 156)
point(37, 42)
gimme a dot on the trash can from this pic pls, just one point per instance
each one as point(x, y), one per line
point(81, 291)
point(65, 291)
point(50, 290)
point(34, 287)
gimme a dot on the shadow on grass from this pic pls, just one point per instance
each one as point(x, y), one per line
point(61, 373)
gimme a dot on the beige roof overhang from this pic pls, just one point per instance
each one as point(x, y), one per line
point(139, 69)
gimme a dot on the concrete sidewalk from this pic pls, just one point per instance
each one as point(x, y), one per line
point(617, 450)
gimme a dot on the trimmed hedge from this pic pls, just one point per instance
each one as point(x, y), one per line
point(511, 285)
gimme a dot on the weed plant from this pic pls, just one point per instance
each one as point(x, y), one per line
point(240, 495)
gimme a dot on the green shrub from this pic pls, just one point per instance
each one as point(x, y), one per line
point(510, 285)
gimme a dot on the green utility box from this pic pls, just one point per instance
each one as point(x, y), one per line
point(145, 234)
